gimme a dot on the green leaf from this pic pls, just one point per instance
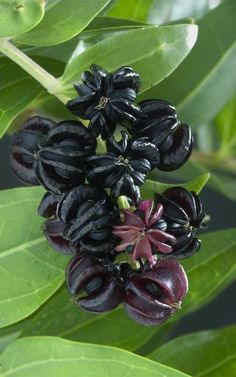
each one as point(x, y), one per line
point(138, 10)
point(150, 187)
point(110, 24)
point(213, 268)
point(52, 107)
point(214, 353)
point(18, 90)
point(226, 127)
point(19, 16)
point(206, 81)
point(45, 356)
point(60, 317)
point(61, 52)
point(30, 271)
point(225, 184)
point(219, 182)
point(166, 11)
point(11, 333)
point(160, 51)
point(62, 21)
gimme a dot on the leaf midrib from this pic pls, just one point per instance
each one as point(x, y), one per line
point(94, 359)
point(24, 245)
point(36, 291)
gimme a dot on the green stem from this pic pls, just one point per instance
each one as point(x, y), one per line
point(49, 82)
point(213, 161)
point(123, 202)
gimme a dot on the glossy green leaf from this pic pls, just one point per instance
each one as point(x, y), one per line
point(225, 184)
point(62, 21)
point(161, 334)
point(18, 90)
point(133, 10)
point(52, 107)
point(61, 52)
point(159, 52)
point(110, 24)
point(206, 139)
point(60, 317)
point(49, 356)
point(206, 354)
point(169, 10)
point(99, 29)
point(30, 271)
point(150, 186)
point(206, 81)
point(226, 127)
point(212, 268)
point(220, 182)
point(10, 333)
point(19, 16)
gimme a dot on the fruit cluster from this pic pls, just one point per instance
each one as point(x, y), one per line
point(120, 253)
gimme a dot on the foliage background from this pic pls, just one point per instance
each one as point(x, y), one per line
point(203, 87)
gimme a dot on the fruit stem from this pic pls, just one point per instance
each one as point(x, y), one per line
point(123, 202)
point(48, 81)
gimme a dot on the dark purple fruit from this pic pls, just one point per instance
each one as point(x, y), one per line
point(88, 214)
point(48, 205)
point(184, 215)
point(155, 294)
point(24, 147)
point(53, 232)
point(160, 126)
point(94, 289)
point(61, 159)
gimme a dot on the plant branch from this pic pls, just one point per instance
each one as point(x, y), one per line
point(214, 161)
point(48, 81)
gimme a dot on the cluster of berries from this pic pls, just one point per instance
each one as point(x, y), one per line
point(119, 255)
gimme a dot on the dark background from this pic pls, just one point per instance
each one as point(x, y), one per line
point(221, 311)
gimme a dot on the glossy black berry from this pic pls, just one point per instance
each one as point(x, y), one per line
point(53, 231)
point(24, 147)
point(94, 288)
point(122, 169)
point(48, 205)
point(88, 214)
point(60, 162)
point(106, 98)
point(182, 211)
point(155, 294)
point(160, 126)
